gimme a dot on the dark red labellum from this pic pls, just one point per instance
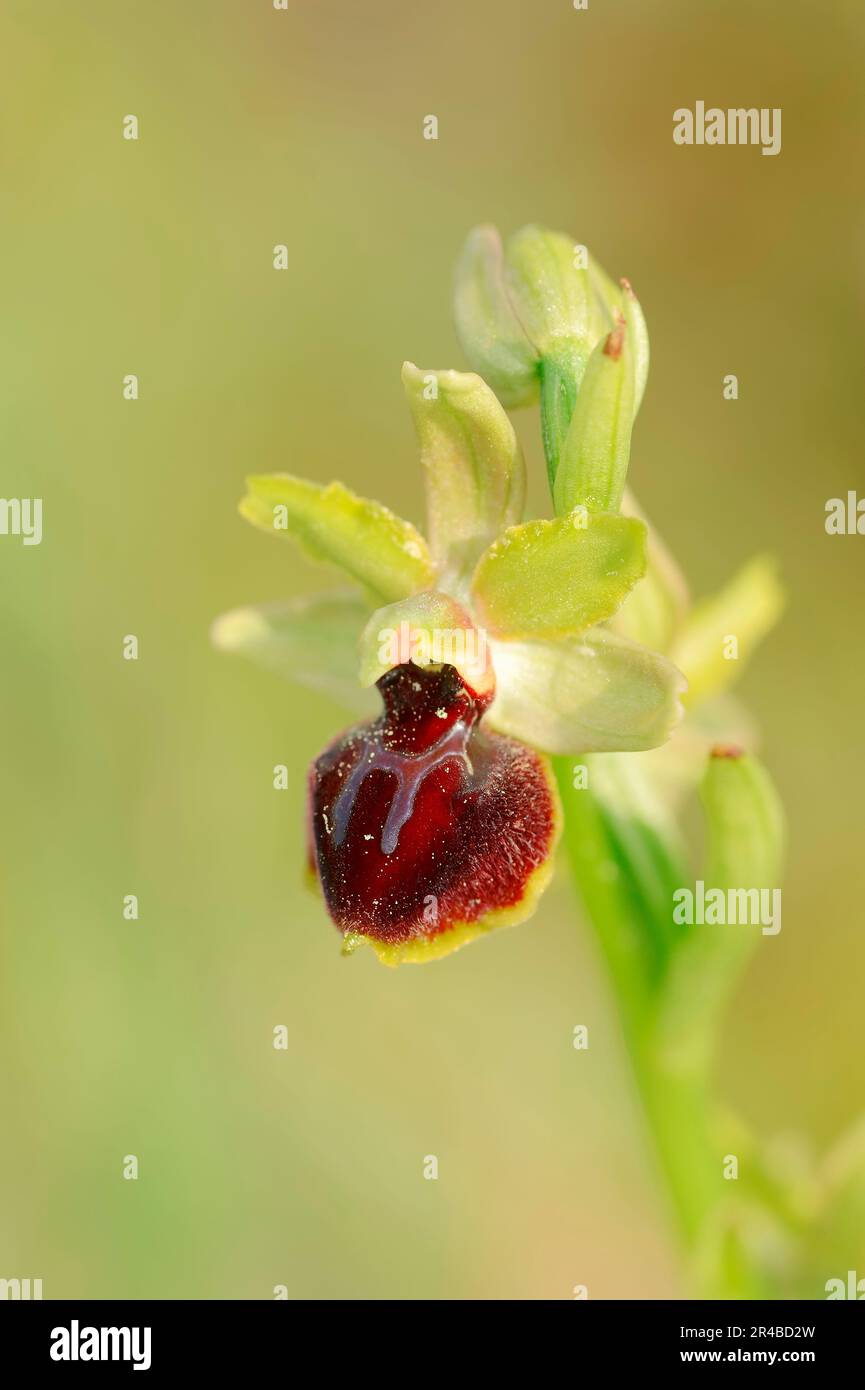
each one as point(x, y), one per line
point(422, 823)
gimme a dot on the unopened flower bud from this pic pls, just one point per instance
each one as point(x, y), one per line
point(491, 335)
point(555, 295)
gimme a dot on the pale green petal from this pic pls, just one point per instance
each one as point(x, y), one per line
point(599, 693)
point(723, 630)
point(473, 466)
point(429, 629)
point(655, 611)
point(367, 541)
point(311, 641)
point(489, 331)
point(557, 578)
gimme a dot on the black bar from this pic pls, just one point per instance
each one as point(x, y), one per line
point(219, 1339)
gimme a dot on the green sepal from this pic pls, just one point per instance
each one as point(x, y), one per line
point(311, 641)
point(383, 553)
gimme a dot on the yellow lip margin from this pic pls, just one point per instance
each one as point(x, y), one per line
point(423, 949)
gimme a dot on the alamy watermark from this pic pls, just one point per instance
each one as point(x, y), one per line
point(76, 1343)
point(719, 907)
point(845, 516)
point(852, 1287)
point(735, 126)
point(463, 647)
point(21, 516)
point(23, 1289)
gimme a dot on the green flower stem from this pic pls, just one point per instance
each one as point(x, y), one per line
point(560, 376)
point(668, 985)
point(675, 1105)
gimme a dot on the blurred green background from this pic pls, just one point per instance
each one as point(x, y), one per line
point(304, 1167)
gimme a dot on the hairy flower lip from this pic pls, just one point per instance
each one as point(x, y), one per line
point(426, 830)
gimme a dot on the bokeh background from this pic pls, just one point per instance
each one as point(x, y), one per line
point(154, 1038)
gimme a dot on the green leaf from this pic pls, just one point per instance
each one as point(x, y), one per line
point(473, 466)
point(489, 331)
point(366, 540)
point(557, 578)
point(599, 693)
point(311, 641)
point(594, 459)
point(744, 610)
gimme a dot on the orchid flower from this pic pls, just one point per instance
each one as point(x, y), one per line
point(494, 641)
point(490, 642)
